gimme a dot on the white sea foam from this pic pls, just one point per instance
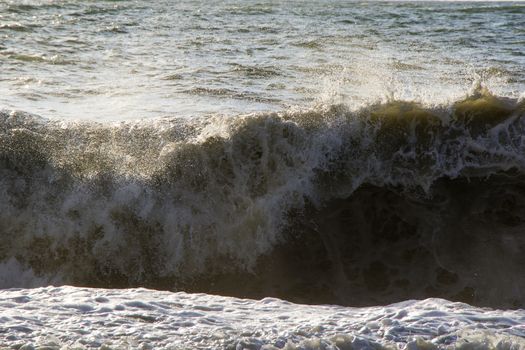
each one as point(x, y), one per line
point(81, 318)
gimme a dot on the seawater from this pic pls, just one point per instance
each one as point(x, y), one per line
point(134, 59)
point(363, 161)
point(81, 318)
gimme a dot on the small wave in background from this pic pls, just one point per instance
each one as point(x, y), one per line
point(122, 60)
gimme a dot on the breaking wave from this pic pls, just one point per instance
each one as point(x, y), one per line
point(392, 201)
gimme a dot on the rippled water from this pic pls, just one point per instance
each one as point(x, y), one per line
point(134, 59)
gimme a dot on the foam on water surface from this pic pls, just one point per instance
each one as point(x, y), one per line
point(82, 318)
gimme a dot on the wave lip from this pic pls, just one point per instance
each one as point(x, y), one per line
point(175, 203)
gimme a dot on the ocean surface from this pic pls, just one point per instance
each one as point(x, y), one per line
point(262, 175)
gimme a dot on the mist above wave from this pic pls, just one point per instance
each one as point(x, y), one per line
point(391, 201)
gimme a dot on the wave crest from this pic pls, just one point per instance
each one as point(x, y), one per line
point(176, 203)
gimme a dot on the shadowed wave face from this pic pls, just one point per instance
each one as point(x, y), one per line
point(390, 202)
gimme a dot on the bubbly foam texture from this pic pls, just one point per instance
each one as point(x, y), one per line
point(178, 203)
point(72, 318)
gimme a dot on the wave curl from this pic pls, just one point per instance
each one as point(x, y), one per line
point(391, 201)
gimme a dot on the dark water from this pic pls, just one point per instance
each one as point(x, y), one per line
point(391, 202)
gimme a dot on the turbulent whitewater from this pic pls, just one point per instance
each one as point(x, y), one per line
point(81, 318)
point(382, 204)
